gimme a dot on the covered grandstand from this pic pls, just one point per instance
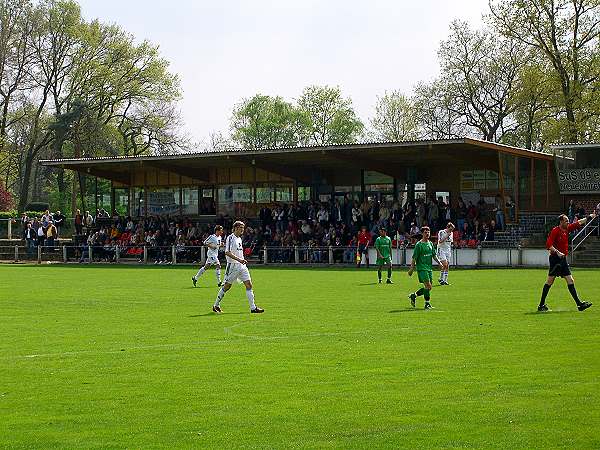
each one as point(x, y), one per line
point(238, 182)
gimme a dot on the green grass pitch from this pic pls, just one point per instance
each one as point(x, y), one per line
point(133, 357)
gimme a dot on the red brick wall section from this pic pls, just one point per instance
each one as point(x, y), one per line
point(588, 201)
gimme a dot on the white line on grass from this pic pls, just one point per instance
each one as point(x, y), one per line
point(226, 330)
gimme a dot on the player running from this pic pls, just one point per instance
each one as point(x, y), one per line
point(444, 249)
point(558, 246)
point(383, 245)
point(213, 242)
point(421, 261)
point(236, 269)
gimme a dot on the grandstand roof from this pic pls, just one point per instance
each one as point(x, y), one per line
point(569, 146)
point(295, 162)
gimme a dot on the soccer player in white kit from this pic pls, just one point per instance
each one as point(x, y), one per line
point(444, 249)
point(236, 269)
point(213, 242)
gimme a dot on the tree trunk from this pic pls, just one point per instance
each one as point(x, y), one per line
point(572, 126)
point(25, 181)
point(74, 196)
point(62, 189)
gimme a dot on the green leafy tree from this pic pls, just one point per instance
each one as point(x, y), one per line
point(436, 114)
point(263, 122)
point(331, 118)
point(566, 33)
point(478, 73)
point(395, 118)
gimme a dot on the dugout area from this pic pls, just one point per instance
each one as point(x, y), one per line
point(239, 182)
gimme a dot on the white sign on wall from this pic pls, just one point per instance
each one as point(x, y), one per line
point(579, 181)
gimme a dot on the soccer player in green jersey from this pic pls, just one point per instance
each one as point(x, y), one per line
point(383, 245)
point(421, 261)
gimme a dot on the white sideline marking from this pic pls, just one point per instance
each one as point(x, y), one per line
point(226, 330)
point(110, 352)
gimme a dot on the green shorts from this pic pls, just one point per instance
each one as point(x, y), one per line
point(425, 276)
point(383, 261)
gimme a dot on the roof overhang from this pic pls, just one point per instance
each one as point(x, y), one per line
point(298, 162)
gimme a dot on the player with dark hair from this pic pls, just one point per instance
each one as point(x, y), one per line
point(422, 263)
point(558, 246)
point(383, 246)
point(444, 250)
point(213, 242)
point(237, 269)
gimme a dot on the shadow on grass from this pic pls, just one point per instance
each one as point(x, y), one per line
point(215, 314)
point(394, 311)
point(559, 311)
point(368, 284)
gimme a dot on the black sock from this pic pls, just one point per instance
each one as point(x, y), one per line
point(420, 292)
point(389, 273)
point(427, 296)
point(573, 292)
point(379, 274)
point(545, 291)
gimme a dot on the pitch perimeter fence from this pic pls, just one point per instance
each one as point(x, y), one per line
point(276, 256)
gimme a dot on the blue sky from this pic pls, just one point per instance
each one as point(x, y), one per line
point(228, 50)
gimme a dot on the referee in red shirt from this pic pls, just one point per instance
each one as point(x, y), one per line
point(558, 246)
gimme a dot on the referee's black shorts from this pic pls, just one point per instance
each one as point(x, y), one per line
point(559, 267)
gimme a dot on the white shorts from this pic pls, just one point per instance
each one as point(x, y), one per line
point(236, 272)
point(443, 255)
point(214, 260)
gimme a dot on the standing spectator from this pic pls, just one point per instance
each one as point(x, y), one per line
point(89, 221)
point(59, 221)
point(356, 215)
point(46, 218)
point(461, 214)
point(580, 212)
point(323, 216)
point(414, 233)
point(41, 234)
point(30, 238)
point(433, 213)
point(498, 208)
point(384, 215)
point(51, 234)
point(24, 222)
point(79, 222)
point(571, 211)
point(335, 214)
point(420, 216)
point(348, 208)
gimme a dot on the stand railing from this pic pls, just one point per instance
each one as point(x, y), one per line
point(581, 236)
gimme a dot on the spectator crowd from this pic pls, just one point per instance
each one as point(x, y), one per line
point(312, 227)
